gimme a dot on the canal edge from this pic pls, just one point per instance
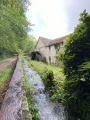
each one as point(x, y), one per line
point(26, 115)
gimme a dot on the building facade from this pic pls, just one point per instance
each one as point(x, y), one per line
point(46, 49)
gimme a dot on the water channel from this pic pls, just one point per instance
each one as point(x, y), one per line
point(48, 110)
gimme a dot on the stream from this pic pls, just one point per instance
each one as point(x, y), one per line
point(48, 110)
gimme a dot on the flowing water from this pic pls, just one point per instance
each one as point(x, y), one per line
point(48, 110)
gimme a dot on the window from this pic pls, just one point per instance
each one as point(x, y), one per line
point(49, 59)
point(57, 47)
point(61, 43)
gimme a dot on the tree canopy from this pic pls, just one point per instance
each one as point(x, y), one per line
point(13, 26)
point(31, 45)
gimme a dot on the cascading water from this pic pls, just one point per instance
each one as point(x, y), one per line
point(48, 110)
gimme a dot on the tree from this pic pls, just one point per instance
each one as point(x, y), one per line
point(13, 26)
point(76, 57)
point(31, 45)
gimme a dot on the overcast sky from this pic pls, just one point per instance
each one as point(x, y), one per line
point(55, 18)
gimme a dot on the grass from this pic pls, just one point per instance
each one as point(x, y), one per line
point(33, 110)
point(39, 66)
point(4, 76)
point(4, 82)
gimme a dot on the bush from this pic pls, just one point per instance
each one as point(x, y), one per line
point(48, 78)
point(77, 83)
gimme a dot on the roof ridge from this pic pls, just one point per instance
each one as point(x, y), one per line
point(49, 42)
point(60, 37)
point(57, 40)
point(45, 40)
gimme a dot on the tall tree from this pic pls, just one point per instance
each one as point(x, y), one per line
point(13, 25)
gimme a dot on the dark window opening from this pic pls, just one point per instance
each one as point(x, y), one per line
point(49, 59)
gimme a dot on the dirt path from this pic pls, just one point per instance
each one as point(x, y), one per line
point(7, 63)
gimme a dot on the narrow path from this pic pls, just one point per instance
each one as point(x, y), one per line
point(7, 63)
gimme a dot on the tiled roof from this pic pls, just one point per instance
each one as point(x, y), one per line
point(57, 40)
point(45, 40)
point(49, 42)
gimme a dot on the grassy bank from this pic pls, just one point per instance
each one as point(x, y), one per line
point(52, 77)
point(40, 66)
point(4, 76)
point(4, 82)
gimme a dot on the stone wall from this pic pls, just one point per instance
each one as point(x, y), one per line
point(12, 107)
point(53, 54)
point(49, 52)
point(39, 45)
point(42, 48)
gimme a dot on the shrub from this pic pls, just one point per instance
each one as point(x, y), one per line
point(75, 59)
point(48, 78)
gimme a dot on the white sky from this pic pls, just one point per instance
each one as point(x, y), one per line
point(55, 18)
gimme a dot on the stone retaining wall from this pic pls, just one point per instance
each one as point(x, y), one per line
point(12, 106)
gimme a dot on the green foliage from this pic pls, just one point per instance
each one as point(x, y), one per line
point(58, 73)
point(48, 78)
point(31, 45)
point(59, 57)
point(3, 76)
point(33, 110)
point(76, 61)
point(5, 53)
point(13, 26)
point(85, 66)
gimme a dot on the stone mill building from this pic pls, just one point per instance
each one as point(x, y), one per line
point(46, 49)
